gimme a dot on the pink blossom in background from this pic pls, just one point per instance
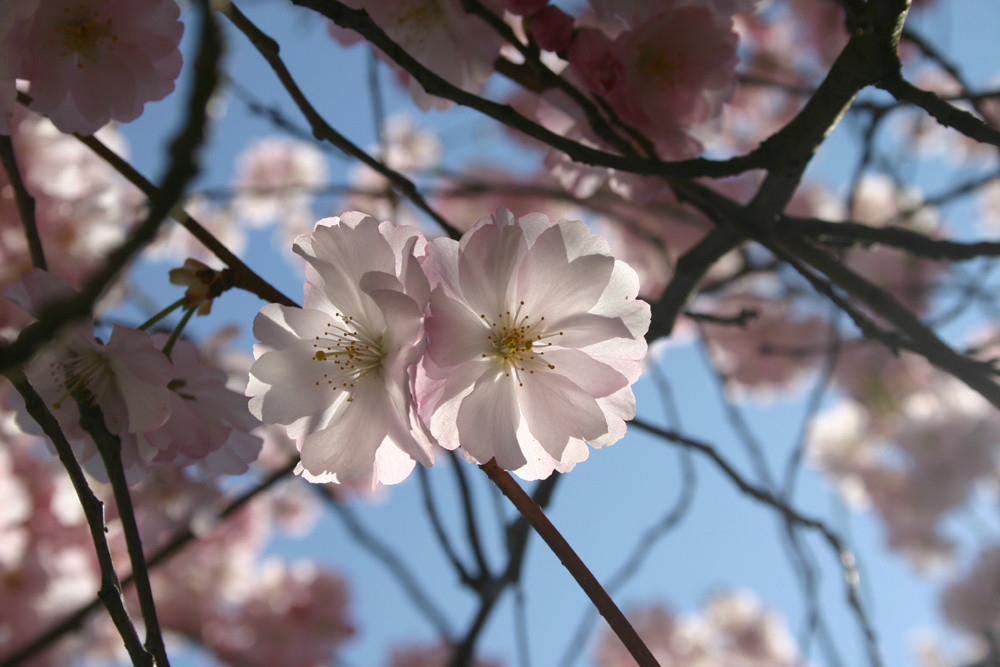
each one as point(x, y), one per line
point(679, 68)
point(47, 562)
point(972, 601)
point(484, 188)
point(82, 206)
point(276, 179)
point(178, 244)
point(209, 424)
point(525, 7)
point(534, 340)
point(295, 615)
point(433, 31)
point(337, 372)
point(594, 59)
point(910, 279)
point(734, 628)
point(404, 146)
point(92, 61)
point(430, 656)
point(552, 28)
point(915, 467)
point(127, 377)
point(772, 350)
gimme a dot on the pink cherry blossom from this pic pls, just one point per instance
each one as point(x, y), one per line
point(275, 181)
point(433, 31)
point(679, 67)
point(338, 371)
point(82, 206)
point(525, 7)
point(535, 337)
point(972, 602)
point(295, 615)
point(127, 378)
point(734, 628)
point(208, 424)
point(593, 57)
point(93, 61)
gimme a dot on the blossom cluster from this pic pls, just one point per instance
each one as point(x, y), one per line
point(88, 62)
point(519, 343)
point(734, 628)
point(164, 404)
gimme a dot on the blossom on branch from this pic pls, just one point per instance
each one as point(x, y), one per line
point(455, 45)
point(92, 61)
point(534, 339)
point(338, 372)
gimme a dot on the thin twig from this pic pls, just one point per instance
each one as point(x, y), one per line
point(844, 555)
point(269, 49)
point(109, 446)
point(25, 202)
point(561, 548)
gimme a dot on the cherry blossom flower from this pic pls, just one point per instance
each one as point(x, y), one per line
point(433, 31)
point(127, 378)
point(275, 180)
point(535, 337)
point(208, 424)
point(338, 371)
point(679, 67)
point(93, 61)
point(972, 602)
point(295, 615)
point(733, 629)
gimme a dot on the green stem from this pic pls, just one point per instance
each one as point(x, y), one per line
point(176, 333)
point(163, 313)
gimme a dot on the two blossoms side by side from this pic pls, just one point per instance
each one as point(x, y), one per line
point(518, 343)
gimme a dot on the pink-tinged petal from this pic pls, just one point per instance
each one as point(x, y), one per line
point(548, 283)
point(488, 419)
point(584, 329)
point(619, 407)
point(487, 262)
point(441, 265)
point(594, 377)
point(346, 448)
point(440, 394)
point(455, 334)
point(298, 384)
point(38, 289)
point(557, 410)
point(141, 374)
point(392, 465)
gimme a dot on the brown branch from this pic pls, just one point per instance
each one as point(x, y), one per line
point(269, 49)
point(110, 593)
point(25, 202)
point(561, 548)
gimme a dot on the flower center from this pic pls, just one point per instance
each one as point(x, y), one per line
point(85, 33)
point(519, 343)
point(661, 63)
point(90, 372)
point(353, 353)
point(422, 14)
